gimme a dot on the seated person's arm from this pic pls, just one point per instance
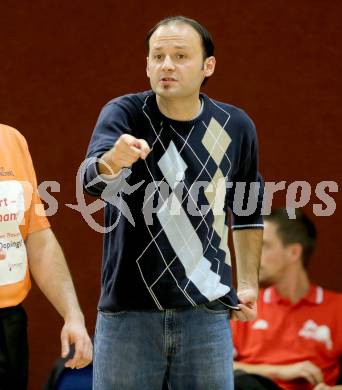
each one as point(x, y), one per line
point(306, 370)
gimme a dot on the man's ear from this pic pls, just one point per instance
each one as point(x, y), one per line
point(295, 251)
point(209, 66)
point(147, 68)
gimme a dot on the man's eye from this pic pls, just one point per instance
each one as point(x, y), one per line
point(157, 56)
point(180, 56)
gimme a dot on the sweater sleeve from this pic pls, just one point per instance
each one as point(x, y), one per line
point(245, 195)
point(116, 118)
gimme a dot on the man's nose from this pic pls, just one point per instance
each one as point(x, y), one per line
point(168, 64)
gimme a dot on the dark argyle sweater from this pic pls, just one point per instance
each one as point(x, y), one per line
point(167, 216)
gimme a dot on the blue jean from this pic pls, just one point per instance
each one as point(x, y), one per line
point(189, 348)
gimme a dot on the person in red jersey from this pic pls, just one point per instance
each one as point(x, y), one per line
point(295, 343)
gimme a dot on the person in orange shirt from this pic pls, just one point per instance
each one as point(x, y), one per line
point(27, 244)
point(296, 340)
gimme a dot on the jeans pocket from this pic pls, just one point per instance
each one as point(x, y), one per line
point(216, 307)
point(107, 313)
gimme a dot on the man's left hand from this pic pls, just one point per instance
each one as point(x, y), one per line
point(248, 307)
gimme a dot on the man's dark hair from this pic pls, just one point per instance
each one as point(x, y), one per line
point(300, 230)
point(207, 41)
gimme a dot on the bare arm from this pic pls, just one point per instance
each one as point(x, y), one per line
point(247, 245)
point(50, 271)
point(268, 370)
point(305, 369)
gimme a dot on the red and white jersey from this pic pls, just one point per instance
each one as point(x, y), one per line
point(286, 333)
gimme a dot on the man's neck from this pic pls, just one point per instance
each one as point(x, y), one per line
point(294, 286)
point(180, 109)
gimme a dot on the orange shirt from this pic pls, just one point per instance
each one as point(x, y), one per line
point(285, 333)
point(19, 203)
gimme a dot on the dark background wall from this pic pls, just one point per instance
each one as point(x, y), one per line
point(60, 61)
